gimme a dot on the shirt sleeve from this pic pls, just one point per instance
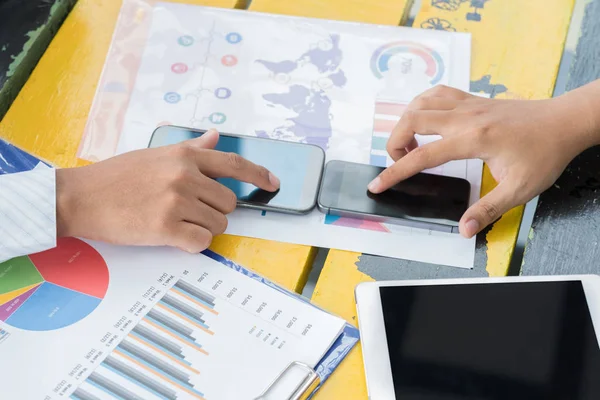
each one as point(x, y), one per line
point(27, 212)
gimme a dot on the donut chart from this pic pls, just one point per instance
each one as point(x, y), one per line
point(52, 289)
point(433, 60)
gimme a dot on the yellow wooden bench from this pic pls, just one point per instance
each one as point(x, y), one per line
point(516, 53)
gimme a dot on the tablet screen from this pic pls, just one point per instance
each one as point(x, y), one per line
point(492, 341)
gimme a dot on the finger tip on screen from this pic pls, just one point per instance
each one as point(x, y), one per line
point(375, 185)
point(274, 181)
point(211, 132)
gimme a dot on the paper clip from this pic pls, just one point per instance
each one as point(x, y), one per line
point(304, 388)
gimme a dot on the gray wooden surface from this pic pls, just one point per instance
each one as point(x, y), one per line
point(565, 233)
point(382, 268)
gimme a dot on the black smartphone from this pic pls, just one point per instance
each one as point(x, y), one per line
point(425, 201)
point(298, 166)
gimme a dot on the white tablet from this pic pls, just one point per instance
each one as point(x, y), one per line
point(490, 338)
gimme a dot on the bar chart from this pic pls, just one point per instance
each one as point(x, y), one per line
point(157, 359)
point(190, 333)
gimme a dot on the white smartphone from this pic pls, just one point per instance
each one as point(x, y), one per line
point(486, 338)
point(298, 166)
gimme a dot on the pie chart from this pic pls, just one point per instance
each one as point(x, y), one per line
point(52, 289)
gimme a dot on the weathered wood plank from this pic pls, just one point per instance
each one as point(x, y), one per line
point(565, 235)
point(387, 12)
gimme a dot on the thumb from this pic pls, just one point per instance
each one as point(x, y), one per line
point(488, 209)
point(207, 141)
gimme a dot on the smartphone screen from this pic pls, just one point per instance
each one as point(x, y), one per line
point(298, 166)
point(427, 198)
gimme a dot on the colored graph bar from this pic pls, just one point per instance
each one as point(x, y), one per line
point(391, 109)
point(384, 125)
point(378, 161)
point(197, 302)
point(137, 384)
point(141, 379)
point(181, 362)
point(111, 387)
point(153, 370)
point(159, 340)
point(156, 362)
point(187, 388)
point(199, 325)
point(379, 143)
point(81, 394)
point(195, 292)
point(385, 119)
point(171, 323)
point(182, 307)
point(174, 334)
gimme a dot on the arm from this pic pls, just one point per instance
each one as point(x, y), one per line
point(153, 197)
point(526, 144)
point(162, 196)
point(27, 212)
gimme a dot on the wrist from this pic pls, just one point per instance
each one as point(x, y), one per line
point(582, 107)
point(593, 111)
point(66, 201)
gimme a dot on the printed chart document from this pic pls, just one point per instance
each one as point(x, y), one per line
point(338, 85)
point(92, 321)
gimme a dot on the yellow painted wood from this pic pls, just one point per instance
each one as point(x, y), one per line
point(339, 267)
point(501, 239)
point(48, 118)
point(335, 293)
point(388, 12)
point(519, 43)
point(285, 264)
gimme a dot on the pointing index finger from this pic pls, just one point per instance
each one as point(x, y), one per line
point(218, 164)
point(428, 156)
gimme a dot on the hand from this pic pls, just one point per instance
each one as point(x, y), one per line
point(526, 144)
point(160, 196)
